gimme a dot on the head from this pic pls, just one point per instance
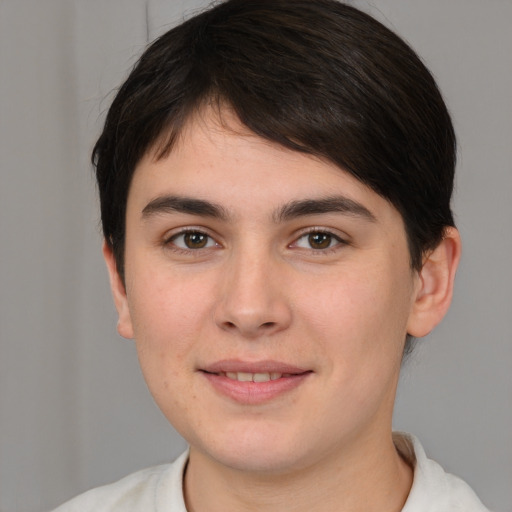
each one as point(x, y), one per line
point(275, 179)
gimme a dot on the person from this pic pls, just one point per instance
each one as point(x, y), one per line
point(275, 180)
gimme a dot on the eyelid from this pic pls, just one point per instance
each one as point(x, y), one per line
point(167, 241)
point(170, 236)
point(336, 235)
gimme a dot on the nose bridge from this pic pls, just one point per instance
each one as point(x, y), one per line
point(252, 301)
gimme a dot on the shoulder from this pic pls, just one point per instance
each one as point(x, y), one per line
point(434, 490)
point(151, 489)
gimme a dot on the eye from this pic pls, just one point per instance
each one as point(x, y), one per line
point(192, 240)
point(318, 240)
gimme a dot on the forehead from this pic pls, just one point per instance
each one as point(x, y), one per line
point(219, 159)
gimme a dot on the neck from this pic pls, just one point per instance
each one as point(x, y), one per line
point(369, 476)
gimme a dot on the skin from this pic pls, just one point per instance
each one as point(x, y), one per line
point(259, 290)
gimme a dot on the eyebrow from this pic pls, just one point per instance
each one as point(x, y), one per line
point(334, 204)
point(289, 211)
point(192, 206)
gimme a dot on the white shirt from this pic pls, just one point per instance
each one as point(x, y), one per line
point(160, 489)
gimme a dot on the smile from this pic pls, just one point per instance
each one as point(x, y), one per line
point(254, 383)
point(254, 377)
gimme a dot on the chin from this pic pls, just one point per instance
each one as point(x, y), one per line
point(258, 461)
point(263, 451)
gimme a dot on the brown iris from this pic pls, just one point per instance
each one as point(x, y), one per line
point(195, 240)
point(319, 240)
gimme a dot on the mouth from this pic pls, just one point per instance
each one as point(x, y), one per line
point(254, 377)
point(254, 383)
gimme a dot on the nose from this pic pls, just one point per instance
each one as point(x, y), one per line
point(253, 301)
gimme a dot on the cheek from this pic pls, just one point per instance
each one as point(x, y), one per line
point(164, 305)
point(169, 316)
point(360, 313)
point(167, 324)
point(359, 326)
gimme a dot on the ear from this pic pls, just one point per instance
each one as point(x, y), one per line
point(435, 285)
point(124, 323)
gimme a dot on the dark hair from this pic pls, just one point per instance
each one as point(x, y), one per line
point(316, 76)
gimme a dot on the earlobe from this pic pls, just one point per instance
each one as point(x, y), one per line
point(435, 285)
point(124, 323)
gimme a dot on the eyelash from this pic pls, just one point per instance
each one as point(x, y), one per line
point(333, 238)
point(170, 241)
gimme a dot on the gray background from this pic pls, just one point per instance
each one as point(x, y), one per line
point(74, 411)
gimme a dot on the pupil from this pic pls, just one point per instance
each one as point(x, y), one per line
point(319, 240)
point(195, 240)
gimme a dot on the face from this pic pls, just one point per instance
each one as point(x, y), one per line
point(269, 293)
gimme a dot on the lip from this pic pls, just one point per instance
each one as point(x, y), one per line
point(254, 393)
point(267, 366)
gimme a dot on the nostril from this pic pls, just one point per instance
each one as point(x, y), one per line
point(265, 326)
